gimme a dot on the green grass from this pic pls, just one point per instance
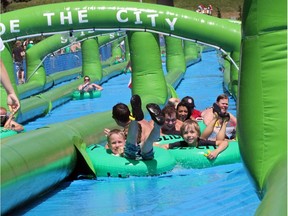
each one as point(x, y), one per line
point(225, 6)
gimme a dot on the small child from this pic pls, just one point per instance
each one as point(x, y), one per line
point(116, 141)
point(129, 145)
point(191, 134)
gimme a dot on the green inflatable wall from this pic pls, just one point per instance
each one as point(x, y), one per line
point(148, 80)
point(262, 101)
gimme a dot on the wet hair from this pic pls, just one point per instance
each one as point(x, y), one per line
point(4, 118)
point(222, 96)
point(121, 112)
point(189, 123)
point(168, 109)
point(86, 77)
point(185, 105)
point(189, 100)
point(115, 131)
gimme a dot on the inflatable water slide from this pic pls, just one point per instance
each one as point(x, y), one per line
point(30, 164)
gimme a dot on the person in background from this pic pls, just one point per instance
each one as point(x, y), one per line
point(7, 121)
point(209, 10)
point(87, 86)
point(12, 99)
point(200, 9)
point(195, 114)
point(18, 56)
point(128, 69)
point(133, 142)
point(221, 107)
point(169, 126)
point(174, 101)
point(25, 43)
point(30, 44)
point(75, 47)
point(183, 112)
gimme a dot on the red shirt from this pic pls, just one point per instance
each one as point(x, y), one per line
point(196, 113)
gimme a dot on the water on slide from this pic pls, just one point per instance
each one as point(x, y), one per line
point(222, 190)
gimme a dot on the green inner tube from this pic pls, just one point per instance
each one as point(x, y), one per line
point(108, 165)
point(6, 132)
point(78, 95)
point(194, 157)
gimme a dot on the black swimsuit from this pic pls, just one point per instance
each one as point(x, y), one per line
point(201, 142)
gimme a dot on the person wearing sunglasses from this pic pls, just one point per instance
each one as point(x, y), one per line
point(87, 86)
point(7, 121)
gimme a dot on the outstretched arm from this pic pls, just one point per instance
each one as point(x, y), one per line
point(207, 115)
point(97, 87)
point(210, 127)
point(222, 145)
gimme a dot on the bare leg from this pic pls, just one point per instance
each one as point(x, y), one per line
point(22, 77)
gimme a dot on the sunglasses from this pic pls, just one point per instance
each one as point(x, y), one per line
point(86, 79)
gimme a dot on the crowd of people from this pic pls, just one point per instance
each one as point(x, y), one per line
point(205, 10)
point(19, 55)
point(138, 136)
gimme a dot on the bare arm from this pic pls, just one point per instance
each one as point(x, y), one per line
point(233, 120)
point(207, 115)
point(210, 127)
point(165, 146)
point(81, 87)
point(12, 99)
point(222, 145)
point(98, 87)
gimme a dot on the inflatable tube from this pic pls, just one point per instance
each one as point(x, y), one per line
point(194, 157)
point(109, 165)
point(77, 95)
point(6, 133)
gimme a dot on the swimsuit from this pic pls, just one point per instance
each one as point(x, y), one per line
point(201, 142)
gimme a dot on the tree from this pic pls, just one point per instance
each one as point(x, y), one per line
point(166, 2)
point(4, 4)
